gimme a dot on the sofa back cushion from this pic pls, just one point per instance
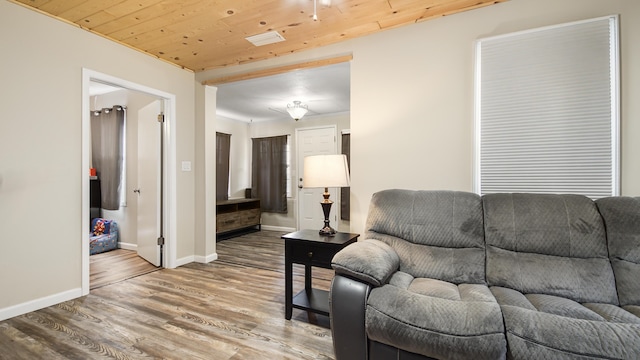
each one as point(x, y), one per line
point(548, 244)
point(622, 221)
point(437, 234)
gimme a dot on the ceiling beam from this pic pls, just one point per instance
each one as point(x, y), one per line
point(276, 70)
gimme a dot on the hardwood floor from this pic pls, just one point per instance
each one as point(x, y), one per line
point(232, 308)
point(116, 265)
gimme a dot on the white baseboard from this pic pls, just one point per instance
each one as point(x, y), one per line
point(206, 259)
point(127, 246)
point(38, 304)
point(277, 228)
point(185, 260)
point(197, 258)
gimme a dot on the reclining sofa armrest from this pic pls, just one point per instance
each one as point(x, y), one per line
point(371, 261)
point(347, 310)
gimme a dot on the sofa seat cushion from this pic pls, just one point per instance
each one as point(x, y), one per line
point(436, 319)
point(546, 326)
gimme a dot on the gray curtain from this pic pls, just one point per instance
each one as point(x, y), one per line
point(269, 173)
point(345, 192)
point(223, 146)
point(107, 148)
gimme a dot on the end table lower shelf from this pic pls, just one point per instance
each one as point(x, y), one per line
point(309, 248)
point(316, 301)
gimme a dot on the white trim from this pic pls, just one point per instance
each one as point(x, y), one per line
point(210, 92)
point(127, 246)
point(615, 103)
point(548, 27)
point(41, 303)
point(206, 259)
point(171, 198)
point(277, 228)
point(86, 150)
point(185, 260)
point(171, 176)
point(477, 112)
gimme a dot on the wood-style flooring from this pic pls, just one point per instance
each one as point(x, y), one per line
point(116, 265)
point(232, 308)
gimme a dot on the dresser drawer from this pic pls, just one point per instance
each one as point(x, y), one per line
point(312, 255)
point(237, 220)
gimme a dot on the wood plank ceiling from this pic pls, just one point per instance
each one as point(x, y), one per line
point(207, 34)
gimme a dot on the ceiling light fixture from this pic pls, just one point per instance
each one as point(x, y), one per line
point(315, 14)
point(315, 7)
point(297, 110)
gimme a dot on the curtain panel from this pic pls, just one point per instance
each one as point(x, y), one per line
point(107, 152)
point(345, 192)
point(223, 146)
point(269, 173)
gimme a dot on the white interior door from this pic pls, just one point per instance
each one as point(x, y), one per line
point(315, 141)
point(149, 182)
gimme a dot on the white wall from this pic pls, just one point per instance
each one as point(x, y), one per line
point(412, 94)
point(41, 150)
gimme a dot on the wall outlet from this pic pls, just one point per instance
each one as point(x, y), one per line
point(186, 166)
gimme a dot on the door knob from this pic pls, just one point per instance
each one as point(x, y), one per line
point(136, 191)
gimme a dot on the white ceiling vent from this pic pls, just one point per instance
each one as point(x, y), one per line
point(266, 38)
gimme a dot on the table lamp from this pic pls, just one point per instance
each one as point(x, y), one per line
point(325, 171)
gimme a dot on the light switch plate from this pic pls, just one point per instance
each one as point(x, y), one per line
point(186, 166)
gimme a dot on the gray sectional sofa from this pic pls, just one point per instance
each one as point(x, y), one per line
point(452, 275)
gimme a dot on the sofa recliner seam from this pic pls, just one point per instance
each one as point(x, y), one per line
point(532, 341)
point(431, 330)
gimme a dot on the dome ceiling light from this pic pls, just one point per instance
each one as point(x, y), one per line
point(297, 110)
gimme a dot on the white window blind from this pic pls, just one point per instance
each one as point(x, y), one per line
point(547, 110)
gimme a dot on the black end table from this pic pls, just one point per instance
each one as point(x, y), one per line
point(309, 248)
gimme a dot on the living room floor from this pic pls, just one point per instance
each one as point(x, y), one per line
point(232, 308)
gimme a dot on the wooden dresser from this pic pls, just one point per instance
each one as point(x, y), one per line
point(237, 214)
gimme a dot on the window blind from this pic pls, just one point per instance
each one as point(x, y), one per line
point(547, 110)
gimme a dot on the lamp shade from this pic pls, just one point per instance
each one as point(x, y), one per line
point(326, 171)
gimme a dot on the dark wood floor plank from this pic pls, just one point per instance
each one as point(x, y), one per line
point(232, 308)
point(23, 346)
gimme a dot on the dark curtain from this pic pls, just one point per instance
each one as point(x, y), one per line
point(269, 173)
point(223, 146)
point(107, 153)
point(345, 192)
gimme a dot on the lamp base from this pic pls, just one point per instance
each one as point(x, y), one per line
point(327, 230)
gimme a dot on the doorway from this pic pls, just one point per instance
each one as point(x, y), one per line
point(160, 185)
point(256, 107)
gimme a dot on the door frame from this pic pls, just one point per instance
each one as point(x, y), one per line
point(169, 175)
point(300, 171)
